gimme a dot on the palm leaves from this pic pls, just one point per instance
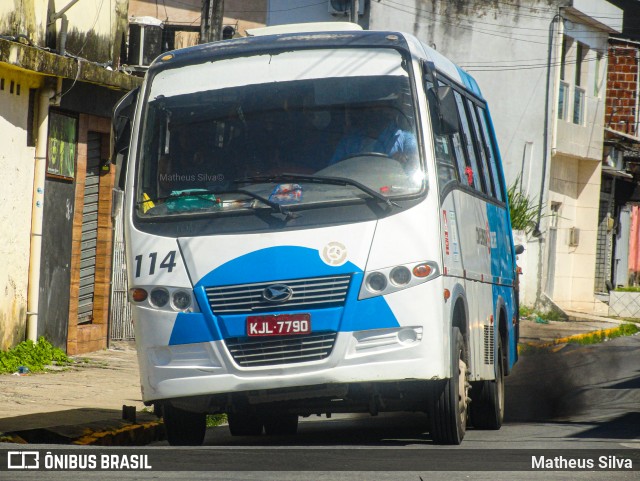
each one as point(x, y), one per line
point(523, 210)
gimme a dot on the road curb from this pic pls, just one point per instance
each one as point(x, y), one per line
point(108, 433)
point(130, 434)
point(561, 341)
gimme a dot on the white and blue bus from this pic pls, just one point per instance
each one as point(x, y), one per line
point(316, 223)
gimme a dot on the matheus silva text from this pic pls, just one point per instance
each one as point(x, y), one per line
point(561, 462)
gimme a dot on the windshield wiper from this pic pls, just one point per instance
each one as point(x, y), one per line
point(320, 179)
point(203, 192)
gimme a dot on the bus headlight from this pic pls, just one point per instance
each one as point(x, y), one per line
point(400, 276)
point(159, 297)
point(181, 300)
point(165, 298)
point(391, 279)
point(376, 282)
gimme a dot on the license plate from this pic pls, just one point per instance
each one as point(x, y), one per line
point(278, 325)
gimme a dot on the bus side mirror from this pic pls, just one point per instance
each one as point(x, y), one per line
point(519, 249)
point(121, 123)
point(445, 110)
point(116, 205)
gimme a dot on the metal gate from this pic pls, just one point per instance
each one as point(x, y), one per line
point(121, 325)
point(89, 230)
point(604, 246)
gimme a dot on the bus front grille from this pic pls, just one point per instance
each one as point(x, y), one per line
point(249, 352)
point(309, 293)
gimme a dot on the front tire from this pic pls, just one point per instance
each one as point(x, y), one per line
point(184, 428)
point(448, 400)
point(487, 406)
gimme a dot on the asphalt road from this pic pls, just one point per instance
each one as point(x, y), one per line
point(583, 398)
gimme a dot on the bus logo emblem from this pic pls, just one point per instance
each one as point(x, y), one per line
point(334, 254)
point(277, 293)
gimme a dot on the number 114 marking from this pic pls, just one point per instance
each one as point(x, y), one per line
point(169, 262)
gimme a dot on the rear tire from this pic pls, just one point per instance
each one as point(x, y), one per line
point(184, 428)
point(487, 406)
point(281, 424)
point(244, 424)
point(448, 400)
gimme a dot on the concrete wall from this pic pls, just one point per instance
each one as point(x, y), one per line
point(575, 186)
point(95, 28)
point(16, 165)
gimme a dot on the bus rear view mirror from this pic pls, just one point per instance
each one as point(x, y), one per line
point(121, 134)
point(445, 120)
point(118, 200)
point(519, 249)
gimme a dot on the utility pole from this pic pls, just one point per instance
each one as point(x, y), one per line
point(354, 10)
point(211, 20)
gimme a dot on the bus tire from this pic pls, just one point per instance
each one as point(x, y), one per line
point(281, 424)
point(184, 428)
point(244, 424)
point(448, 401)
point(487, 406)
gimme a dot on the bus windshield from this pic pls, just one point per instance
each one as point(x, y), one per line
point(218, 136)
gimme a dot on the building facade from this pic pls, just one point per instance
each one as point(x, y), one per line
point(59, 80)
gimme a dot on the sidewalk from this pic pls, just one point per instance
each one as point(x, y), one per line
point(81, 405)
point(84, 404)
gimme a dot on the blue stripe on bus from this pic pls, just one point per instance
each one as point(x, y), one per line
point(275, 264)
point(501, 256)
point(469, 82)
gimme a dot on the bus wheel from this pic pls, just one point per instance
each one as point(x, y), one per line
point(285, 424)
point(184, 428)
point(487, 406)
point(244, 424)
point(448, 400)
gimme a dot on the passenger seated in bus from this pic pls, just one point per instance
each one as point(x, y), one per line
point(376, 130)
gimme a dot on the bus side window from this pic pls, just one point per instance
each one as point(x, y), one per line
point(486, 171)
point(445, 161)
point(472, 171)
point(447, 151)
point(491, 153)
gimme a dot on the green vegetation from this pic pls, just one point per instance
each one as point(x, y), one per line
point(216, 420)
point(213, 420)
point(522, 209)
point(539, 315)
point(33, 355)
point(628, 289)
point(601, 336)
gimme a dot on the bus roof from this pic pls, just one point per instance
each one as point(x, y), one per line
point(274, 40)
point(304, 28)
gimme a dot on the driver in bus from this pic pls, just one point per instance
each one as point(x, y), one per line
point(375, 130)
